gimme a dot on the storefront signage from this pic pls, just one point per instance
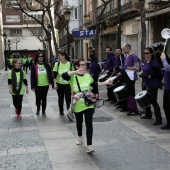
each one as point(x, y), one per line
point(84, 33)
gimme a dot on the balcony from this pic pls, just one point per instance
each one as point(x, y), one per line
point(130, 7)
point(89, 19)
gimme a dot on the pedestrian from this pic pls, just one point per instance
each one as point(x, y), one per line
point(29, 61)
point(62, 86)
point(166, 96)
point(151, 77)
point(81, 82)
point(16, 81)
point(41, 77)
point(25, 63)
point(10, 61)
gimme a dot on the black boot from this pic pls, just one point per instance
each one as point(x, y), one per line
point(43, 114)
point(38, 111)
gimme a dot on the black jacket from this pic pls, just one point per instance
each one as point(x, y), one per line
point(34, 75)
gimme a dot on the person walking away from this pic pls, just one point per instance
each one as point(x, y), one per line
point(151, 76)
point(81, 81)
point(24, 63)
point(62, 86)
point(16, 81)
point(41, 77)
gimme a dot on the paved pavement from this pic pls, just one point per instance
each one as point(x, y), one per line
point(120, 142)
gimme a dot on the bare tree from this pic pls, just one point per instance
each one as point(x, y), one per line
point(45, 7)
point(98, 23)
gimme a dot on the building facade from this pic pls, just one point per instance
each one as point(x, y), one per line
point(22, 31)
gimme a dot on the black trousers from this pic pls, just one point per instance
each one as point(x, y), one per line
point(17, 102)
point(25, 67)
point(41, 95)
point(64, 90)
point(153, 93)
point(166, 105)
point(88, 113)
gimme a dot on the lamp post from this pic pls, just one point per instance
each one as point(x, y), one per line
point(49, 42)
point(67, 19)
point(5, 52)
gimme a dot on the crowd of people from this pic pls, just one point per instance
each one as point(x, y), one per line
point(79, 80)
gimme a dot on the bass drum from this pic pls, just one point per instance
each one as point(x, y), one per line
point(120, 93)
point(143, 99)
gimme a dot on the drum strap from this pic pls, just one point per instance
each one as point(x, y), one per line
point(78, 84)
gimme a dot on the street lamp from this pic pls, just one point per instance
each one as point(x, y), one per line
point(5, 37)
point(67, 19)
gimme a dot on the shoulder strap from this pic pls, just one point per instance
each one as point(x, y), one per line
point(58, 66)
point(78, 84)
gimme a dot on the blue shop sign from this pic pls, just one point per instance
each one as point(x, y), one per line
point(84, 33)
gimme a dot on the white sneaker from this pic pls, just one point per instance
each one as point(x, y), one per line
point(79, 140)
point(89, 149)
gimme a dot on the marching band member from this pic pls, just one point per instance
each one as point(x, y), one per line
point(108, 67)
point(151, 74)
point(131, 65)
point(166, 96)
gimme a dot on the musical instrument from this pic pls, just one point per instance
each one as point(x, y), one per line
point(115, 81)
point(142, 99)
point(165, 33)
point(102, 77)
point(120, 93)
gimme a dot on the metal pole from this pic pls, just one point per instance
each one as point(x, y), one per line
point(118, 24)
point(5, 53)
point(68, 44)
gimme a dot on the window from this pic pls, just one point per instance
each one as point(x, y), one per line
point(37, 16)
point(10, 4)
point(16, 32)
point(75, 13)
point(37, 31)
point(12, 18)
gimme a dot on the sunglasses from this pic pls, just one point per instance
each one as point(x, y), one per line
point(82, 64)
point(146, 53)
point(40, 56)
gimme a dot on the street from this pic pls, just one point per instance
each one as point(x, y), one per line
point(120, 142)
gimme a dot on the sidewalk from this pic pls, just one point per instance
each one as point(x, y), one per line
point(120, 142)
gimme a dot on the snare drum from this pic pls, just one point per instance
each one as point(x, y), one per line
point(120, 93)
point(115, 81)
point(102, 77)
point(142, 99)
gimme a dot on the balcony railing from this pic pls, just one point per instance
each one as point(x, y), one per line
point(130, 6)
point(89, 19)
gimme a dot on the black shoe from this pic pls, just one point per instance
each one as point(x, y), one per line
point(146, 117)
point(43, 114)
point(165, 127)
point(118, 107)
point(117, 104)
point(123, 110)
point(157, 123)
point(108, 100)
point(113, 102)
point(132, 114)
point(61, 113)
point(38, 112)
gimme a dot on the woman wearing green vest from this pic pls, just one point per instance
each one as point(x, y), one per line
point(16, 81)
point(41, 77)
point(81, 81)
point(62, 86)
point(25, 63)
point(10, 61)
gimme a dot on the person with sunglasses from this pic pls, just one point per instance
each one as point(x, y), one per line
point(81, 81)
point(151, 75)
point(16, 81)
point(41, 77)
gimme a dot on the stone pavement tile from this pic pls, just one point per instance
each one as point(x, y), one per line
point(60, 144)
point(63, 134)
point(15, 123)
point(15, 151)
point(35, 149)
point(36, 161)
point(76, 166)
point(21, 139)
